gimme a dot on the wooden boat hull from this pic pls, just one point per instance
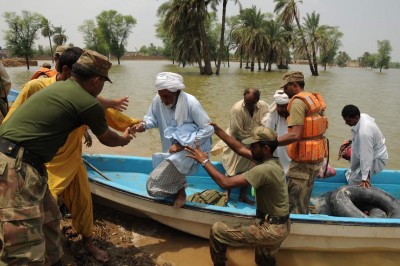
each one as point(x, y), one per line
point(308, 232)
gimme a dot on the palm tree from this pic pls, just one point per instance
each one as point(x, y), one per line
point(59, 37)
point(329, 43)
point(184, 22)
point(288, 11)
point(222, 37)
point(276, 37)
point(312, 32)
point(47, 32)
point(250, 35)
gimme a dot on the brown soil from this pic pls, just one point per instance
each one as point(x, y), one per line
point(113, 232)
point(16, 62)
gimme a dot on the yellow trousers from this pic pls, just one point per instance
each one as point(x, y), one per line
point(68, 180)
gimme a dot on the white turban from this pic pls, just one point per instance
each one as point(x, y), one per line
point(281, 97)
point(169, 81)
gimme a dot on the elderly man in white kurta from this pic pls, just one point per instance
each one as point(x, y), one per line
point(368, 150)
point(182, 121)
point(276, 119)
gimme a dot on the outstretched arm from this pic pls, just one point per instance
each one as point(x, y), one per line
point(222, 180)
point(119, 104)
point(234, 144)
point(112, 139)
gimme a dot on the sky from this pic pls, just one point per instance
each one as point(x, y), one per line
point(363, 22)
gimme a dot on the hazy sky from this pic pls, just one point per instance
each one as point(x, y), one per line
point(363, 22)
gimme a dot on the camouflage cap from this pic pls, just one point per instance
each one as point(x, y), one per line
point(291, 76)
point(61, 49)
point(261, 133)
point(95, 62)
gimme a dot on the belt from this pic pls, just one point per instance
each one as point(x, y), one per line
point(11, 149)
point(272, 219)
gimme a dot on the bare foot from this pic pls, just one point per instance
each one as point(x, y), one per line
point(180, 198)
point(246, 200)
point(99, 254)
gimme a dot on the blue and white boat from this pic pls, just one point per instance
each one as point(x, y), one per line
point(120, 181)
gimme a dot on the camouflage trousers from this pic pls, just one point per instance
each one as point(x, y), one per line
point(300, 180)
point(265, 237)
point(29, 216)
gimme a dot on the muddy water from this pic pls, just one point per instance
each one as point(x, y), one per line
point(374, 93)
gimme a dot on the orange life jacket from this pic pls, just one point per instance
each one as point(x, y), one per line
point(44, 71)
point(313, 145)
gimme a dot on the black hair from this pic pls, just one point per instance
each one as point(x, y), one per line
point(255, 91)
point(350, 111)
point(69, 57)
point(271, 144)
point(300, 83)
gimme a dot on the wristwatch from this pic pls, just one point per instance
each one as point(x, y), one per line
point(203, 163)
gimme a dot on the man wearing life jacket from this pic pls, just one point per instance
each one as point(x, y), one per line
point(307, 147)
point(44, 72)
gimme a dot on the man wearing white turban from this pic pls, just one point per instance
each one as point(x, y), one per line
point(181, 120)
point(276, 119)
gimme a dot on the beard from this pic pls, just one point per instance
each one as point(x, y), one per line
point(256, 157)
point(169, 106)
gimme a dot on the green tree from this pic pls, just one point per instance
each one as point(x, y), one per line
point(368, 60)
point(184, 23)
point(222, 35)
point(251, 36)
point(342, 59)
point(92, 37)
point(22, 33)
point(116, 29)
point(47, 32)
point(329, 43)
point(312, 33)
point(383, 56)
point(276, 38)
point(59, 36)
point(288, 11)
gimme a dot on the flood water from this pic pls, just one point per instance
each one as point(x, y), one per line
point(376, 94)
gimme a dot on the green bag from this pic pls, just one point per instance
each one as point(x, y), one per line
point(209, 196)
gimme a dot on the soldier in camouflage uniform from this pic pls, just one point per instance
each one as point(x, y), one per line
point(29, 215)
point(267, 232)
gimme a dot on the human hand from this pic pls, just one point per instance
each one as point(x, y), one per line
point(120, 104)
point(365, 183)
point(127, 136)
point(196, 153)
point(88, 139)
point(175, 148)
point(139, 127)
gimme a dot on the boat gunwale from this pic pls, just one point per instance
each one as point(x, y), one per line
point(296, 218)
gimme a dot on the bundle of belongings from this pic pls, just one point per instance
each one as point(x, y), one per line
point(345, 150)
point(209, 196)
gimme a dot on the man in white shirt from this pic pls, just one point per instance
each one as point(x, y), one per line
point(276, 119)
point(368, 152)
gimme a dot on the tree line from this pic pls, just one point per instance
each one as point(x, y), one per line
point(191, 34)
